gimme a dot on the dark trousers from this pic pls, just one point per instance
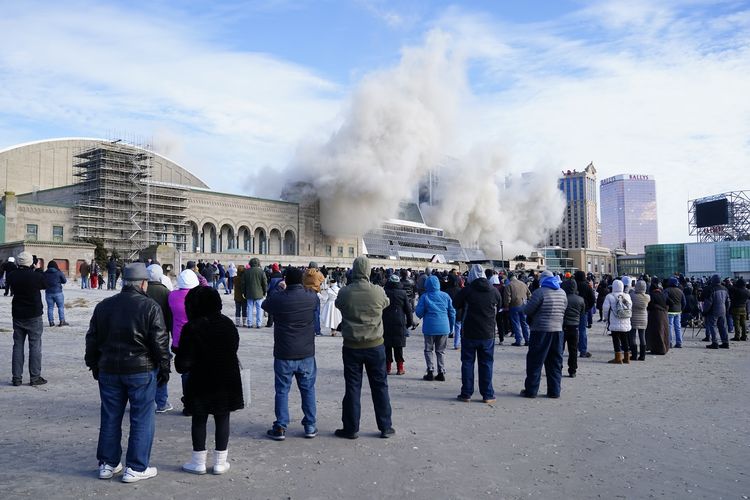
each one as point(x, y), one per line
point(32, 329)
point(545, 349)
point(620, 341)
point(483, 351)
point(571, 339)
point(373, 360)
point(635, 336)
point(394, 352)
point(198, 431)
point(503, 324)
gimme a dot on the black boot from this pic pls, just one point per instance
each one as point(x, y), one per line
point(642, 357)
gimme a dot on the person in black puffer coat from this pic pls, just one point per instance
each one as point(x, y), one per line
point(208, 351)
point(396, 318)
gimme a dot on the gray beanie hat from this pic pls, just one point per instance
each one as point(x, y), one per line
point(135, 272)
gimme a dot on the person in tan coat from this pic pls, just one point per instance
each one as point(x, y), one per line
point(311, 280)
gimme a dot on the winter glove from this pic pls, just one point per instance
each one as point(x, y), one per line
point(162, 378)
point(95, 372)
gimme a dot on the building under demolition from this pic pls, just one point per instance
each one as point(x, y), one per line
point(64, 196)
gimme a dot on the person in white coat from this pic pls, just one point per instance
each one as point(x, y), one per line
point(617, 310)
point(330, 316)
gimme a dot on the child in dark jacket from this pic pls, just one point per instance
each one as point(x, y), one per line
point(208, 352)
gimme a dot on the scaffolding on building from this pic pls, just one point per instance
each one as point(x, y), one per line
point(737, 226)
point(119, 205)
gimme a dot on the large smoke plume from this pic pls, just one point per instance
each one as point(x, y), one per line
point(399, 124)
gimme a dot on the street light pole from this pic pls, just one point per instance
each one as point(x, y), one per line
point(502, 255)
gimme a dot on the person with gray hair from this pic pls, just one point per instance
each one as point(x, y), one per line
point(26, 311)
point(546, 312)
point(127, 350)
point(480, 302)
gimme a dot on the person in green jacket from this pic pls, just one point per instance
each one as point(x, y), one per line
point(255, 286)
point(361, 304)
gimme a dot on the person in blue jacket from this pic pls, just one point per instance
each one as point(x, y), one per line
point(436, 310)
point(55, 279)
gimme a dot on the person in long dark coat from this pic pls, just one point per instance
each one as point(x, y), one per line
point(657, 331)
point(208, 351)
point(396, 318)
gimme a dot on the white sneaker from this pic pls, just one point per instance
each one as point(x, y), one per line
point(107, 471)
point(132, 476)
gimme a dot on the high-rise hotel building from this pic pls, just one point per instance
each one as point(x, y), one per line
point(580, 223)
point(629, 212)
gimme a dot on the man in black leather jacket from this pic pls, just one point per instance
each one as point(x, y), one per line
point(127, 352)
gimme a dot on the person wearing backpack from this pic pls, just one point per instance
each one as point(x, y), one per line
point(618, 309)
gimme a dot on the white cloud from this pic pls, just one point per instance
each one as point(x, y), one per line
point(662, 92)
point(635, 86)
point(95, 69)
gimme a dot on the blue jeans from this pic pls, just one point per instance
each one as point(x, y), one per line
point(111, 281)
point(55, 299)
point(115, 391)
point(583, 339)
point(254, 305)
point(84, 282)
point(518, 324)
point(484, 352)
point(730, 322)
point(162, 396)
point(304, 370)
point(545, 349)
point(373, 360)
point(712, 322)
point(675, 329)
point(457, 327)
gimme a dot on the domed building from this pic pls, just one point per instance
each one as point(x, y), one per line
point(62, 195)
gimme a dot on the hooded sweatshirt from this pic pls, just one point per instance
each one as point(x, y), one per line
point(545, 310)
point(361, 304)
point(616, 324)
point(436, 308)
point(716, 298)
point(640, 299)
point(481, 302)
point(576, 305)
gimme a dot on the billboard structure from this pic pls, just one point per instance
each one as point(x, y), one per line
point(721, 217)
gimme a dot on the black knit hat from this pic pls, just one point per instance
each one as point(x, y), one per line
point(293, 276)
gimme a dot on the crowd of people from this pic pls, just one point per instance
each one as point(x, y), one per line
point(134, 336)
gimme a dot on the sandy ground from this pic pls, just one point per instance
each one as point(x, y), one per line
point(670, 427)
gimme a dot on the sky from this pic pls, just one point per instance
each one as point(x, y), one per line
point(230, 90)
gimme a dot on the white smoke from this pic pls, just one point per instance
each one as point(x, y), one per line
point(401, 123)
point(486, 202)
